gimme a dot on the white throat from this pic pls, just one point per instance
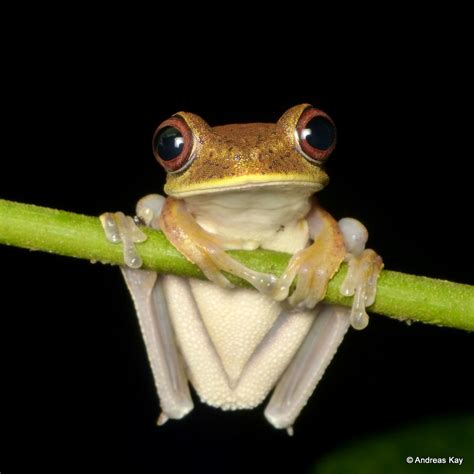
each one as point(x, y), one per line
point(252, 215)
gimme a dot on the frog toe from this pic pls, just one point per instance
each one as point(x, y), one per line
point(310, 287)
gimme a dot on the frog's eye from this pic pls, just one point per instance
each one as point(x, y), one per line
point(173, 144)
point(316, 134)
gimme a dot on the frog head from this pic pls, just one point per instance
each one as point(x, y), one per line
point(200, 159)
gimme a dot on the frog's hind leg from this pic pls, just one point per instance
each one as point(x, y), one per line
point(308, 366)
point(151, 308)
point(165, 360)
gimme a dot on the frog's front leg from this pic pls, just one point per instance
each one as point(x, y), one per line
point(152, 309)
point(206, 250)
point(315, 265)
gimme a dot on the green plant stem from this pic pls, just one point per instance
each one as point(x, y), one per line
point(399, 296)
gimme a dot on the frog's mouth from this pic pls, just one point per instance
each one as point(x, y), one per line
point(251, 183)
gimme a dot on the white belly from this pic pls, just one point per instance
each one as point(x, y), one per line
point(235, 343)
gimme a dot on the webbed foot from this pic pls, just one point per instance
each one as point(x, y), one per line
point(364, 269)
point(121, 228)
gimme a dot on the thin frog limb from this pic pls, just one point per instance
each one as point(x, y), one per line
point(206, 250)
point(364, 270)
point(308, 366)
point(152, 309)
point(315, 265)
point(165, 360)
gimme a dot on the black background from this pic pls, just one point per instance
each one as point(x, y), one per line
point(76, 389)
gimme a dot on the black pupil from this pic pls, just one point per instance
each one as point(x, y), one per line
point(169, 143)
point(319, 133)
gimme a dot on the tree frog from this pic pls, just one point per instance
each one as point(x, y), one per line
point(245, 186)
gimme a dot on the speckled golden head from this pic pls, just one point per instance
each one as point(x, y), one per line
point(245, 155)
